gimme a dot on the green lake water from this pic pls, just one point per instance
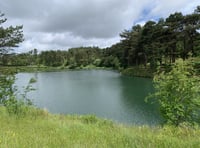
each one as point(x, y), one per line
point(102, 93)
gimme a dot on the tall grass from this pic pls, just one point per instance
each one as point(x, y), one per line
point(41, 129)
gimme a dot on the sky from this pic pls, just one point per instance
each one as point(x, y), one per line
point(63, 24)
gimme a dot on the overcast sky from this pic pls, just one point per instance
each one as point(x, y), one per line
point(62, 24)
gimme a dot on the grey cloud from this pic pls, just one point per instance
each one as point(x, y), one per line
point(24, 9)
point(61, 41)
point(60, 24)
point(88, 19)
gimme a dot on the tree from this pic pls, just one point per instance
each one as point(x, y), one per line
point(126, 45)
point(191, 33)
point(9, 37)
point(132, 55)
point(178, 94)
point(147, 41)
point(174, 27)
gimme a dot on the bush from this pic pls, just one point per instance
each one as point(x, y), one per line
point(16, 107)
point(178, 94)
point(9, 95)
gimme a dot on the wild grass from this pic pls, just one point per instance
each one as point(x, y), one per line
point(42, 129)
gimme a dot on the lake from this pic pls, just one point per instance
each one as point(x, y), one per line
point(102, 93)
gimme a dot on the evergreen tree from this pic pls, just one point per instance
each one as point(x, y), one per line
point(9, 36)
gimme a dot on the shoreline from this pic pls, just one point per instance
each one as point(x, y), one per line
point(131, 71)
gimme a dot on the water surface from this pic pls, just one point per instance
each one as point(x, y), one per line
point(103, 93)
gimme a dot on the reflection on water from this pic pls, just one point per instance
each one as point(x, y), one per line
point(106, 94)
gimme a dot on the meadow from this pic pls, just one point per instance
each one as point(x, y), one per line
point(38, 128)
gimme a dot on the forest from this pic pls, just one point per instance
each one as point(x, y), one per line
point(156, 43)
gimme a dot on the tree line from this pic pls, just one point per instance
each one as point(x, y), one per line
point(161, 42)
point(71, 58)
point(153, 44)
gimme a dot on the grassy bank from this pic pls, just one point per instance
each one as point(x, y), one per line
point(133, 71)
point(17, 69)
point(41, 129)
point(138, 72)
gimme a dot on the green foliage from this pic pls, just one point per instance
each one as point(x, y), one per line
point(16, 107)
point(97, 62)
point(84, 56)
point(195, 61)
point(16, 103)
point(9, 37)
point(110, 61)
point(6, 90)
point(138, 72)
point(178, 94)
point(32, 80)
point(160, 42)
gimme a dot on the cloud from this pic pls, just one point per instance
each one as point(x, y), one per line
point(88, 19)
point(163, 8)
point(61, 41)
point(166, 7)
point(61, 24)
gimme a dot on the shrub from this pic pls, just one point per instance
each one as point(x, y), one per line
point(178, 94)
point(9, 96)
